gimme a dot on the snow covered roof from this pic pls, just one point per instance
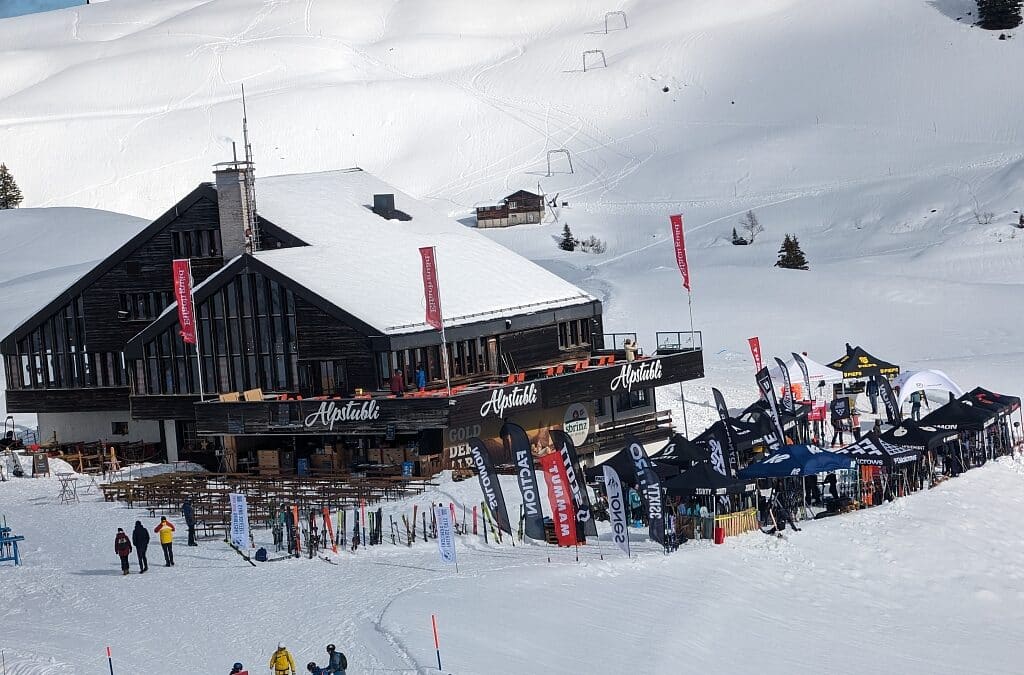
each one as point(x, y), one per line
point(370, 266)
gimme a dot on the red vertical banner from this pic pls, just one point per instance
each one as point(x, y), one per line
point(182, 270)
point(755, 350)
point(562, 512)
point(431, 292)
point(680, 241)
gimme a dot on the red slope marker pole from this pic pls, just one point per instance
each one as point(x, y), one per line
point(437, 644)
point(110, 661)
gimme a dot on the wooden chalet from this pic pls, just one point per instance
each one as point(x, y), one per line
point(299, 337)
point(519, 207)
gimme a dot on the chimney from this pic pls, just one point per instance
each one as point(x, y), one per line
point(384, 205)
point(234, 207)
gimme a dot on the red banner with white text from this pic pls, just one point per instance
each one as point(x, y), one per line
point(755, 350)
point(182, 270)
point(680, 242)
point(562, 512)
point(431, 292)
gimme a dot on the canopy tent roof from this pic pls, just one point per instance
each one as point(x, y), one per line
point(923, 380)
point(913, 435)
point(797, 460)
point(859, 363)
point(875, 452)
point(962, 416)
point(758, 411)
point(816, 372)
point(624, 466)
point(702, 479)
point(681, 452)
point(1002, 403)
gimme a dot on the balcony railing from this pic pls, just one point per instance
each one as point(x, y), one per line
point(669, 342)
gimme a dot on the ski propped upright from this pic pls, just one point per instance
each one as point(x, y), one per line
point(330, 531)
point(298, 537)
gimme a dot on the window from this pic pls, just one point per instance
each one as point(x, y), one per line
point(196, 244)
point(575, 333)
point(143, 306)
point(119, 428)
point(629, 400)
point(511, 205)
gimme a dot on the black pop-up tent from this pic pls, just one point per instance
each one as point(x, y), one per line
point(1002, 437)
point(871, 451)
point(913, 435)
point(703, 479)
point(858, 363)
point(681, 452)
point(961, 416)
point(626, 469)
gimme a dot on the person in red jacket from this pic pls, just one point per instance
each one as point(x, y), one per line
point(397, 383)
point(123, 549)
point(166, 531)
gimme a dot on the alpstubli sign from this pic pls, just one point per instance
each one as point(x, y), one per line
point(507, 399)
point(329, 413)
point(634, 373)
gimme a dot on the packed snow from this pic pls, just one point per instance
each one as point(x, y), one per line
point(885, 135)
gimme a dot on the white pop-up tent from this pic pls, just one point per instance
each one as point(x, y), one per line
point(816, 372)
point(924, 380)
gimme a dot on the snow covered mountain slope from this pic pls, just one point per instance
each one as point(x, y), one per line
point(881, 133)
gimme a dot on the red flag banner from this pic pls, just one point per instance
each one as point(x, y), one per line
point(431, 292)
point(680, 241)
point(755, 351)
point(183, 294)
point(562, 512)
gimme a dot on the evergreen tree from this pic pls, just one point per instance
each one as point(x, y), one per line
point(790, 255)
point(999, 14)
point(568, 242)
point(734, 235)
point(10, 195)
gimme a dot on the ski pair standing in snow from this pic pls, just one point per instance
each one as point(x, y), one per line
point(166, 531)
point(123, 549)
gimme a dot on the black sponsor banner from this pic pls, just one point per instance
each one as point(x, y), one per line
point(489, 483)
point(764, 383)
point(650, 487)
point(322, 416)
point(840, 408)
point(732, 455)
point(518, 445)
point(787, 398)
point(577, 484)
point(892, 410)
point(807, 378)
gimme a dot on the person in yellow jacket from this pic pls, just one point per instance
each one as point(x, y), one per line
point(281, 661)
point(166, 531)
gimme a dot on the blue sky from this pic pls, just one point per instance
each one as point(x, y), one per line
point(10, 8)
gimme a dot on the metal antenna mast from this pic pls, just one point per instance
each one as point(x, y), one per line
point(252, 223)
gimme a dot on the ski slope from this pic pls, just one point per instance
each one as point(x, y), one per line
point(929, 584)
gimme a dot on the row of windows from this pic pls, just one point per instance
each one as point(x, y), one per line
point(574, 333)
point(196, 244)
point(624, 401)
point(143, 306)
point(247, 340)
point(465, 358)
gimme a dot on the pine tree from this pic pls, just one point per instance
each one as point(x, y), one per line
point(10, 195)
point(734, 235)
point(790, 255)
point(568, 242)
point(999, 14)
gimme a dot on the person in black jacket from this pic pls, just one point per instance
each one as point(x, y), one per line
point(189, 514)
point(123, 549)
point(140, 537)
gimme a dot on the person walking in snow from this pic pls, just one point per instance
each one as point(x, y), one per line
point(166, 531)
point(337, 663)
point(281, 661)
point(189, 514)
point(123, 549)
point(140, 537)
point(837, 429)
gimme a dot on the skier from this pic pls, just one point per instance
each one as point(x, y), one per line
point(315, 669)
point(166, 531)
point(189, 514)
point(123, 549)
point(140, 537)
point(338, 663)
point(237, 670)
point(281, 661)
point(872, 390)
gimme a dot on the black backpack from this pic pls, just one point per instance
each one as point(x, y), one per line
point(261, 554)
point(344, 661)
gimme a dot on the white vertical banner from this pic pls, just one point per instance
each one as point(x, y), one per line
point(445, 534)
point(239, 521)
point(616, 508)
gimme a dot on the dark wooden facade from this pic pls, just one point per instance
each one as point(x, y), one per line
point(519, 207)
